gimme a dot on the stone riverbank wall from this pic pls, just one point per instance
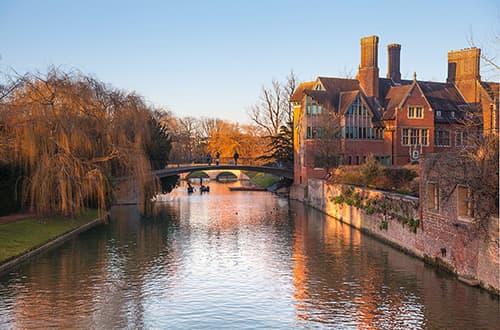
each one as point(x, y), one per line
point(401, 221)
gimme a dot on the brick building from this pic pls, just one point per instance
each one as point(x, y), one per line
point(392, 119)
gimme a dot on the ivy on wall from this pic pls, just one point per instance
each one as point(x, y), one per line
point(391, 208)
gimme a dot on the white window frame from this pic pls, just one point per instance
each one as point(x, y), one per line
point(419, 137)
point(405, 136)
point(436, 135)
point(463, 136)
point(415, 112)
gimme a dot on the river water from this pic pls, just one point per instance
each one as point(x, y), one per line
point(235, 260)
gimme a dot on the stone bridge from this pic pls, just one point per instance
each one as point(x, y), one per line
point(214, 170)
point(126, 187)
point(213, 174)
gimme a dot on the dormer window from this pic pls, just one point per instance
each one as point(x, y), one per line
point(438, 114)
point(452, 114)
point(415, 112)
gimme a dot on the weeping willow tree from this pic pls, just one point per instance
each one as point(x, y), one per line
point(72, 134)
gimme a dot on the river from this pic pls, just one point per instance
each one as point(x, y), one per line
point(235, 260)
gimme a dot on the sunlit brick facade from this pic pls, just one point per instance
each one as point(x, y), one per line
point(394, 120)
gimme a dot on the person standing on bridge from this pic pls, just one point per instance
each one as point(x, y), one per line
point(217, 158)
point(236, 156)
point(209, 159)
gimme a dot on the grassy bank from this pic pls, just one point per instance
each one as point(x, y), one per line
point(262, 179)
point(22, 236)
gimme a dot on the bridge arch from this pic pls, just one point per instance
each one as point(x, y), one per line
point(170, 171)
point(203, 174)
point(230, 175)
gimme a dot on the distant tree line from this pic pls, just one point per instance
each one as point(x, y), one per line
point(65, 137)
point(268, 140)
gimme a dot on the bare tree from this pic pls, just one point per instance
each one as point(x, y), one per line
point(208, 125)
point(326, 133)
point(288, 90)
point(273, 109)
point(492, 67)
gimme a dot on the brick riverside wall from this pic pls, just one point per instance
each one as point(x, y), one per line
point(319, 194)
point(471, 252)
point(468, 255)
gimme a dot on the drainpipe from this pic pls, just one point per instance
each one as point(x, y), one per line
point(392, 146)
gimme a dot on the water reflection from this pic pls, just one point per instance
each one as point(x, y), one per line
point(234, 260)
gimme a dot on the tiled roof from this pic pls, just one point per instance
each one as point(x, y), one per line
point(339, 84)
point(319, 96)
point(334, 86)
point(442, 96)
point(385, 84)
point(394, 97)
point(346, 99)
point(297, 94)
point(340, 93)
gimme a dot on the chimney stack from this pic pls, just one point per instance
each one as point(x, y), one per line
point(368, 74)
point(393, 70)
point(463, 65)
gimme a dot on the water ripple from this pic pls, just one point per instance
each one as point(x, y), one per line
point(234, 261)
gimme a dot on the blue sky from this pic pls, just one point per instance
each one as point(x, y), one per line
point(210, 58)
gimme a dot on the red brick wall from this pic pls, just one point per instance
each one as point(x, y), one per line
point(416, 98)
point(442, 237)
point(471, 251)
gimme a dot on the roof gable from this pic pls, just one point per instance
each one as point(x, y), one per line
point(395, 96)
point(299, 91)
point(346, 99)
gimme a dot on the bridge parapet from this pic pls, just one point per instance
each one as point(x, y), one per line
point(278, 171)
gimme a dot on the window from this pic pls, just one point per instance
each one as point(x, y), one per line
point(358, 123)
point(313, 132)
point(312, 107)
point(424, 136)
point(453, 114)
point(442, 138)
point(384, 160)
point(438, 114)
point(464, 208)
point(405, 137)
point(415, 136)
point(415, 112)
point(432, 196)
point(460, 138)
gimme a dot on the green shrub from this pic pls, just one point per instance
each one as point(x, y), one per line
point(371, 172)
point(399, 176)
